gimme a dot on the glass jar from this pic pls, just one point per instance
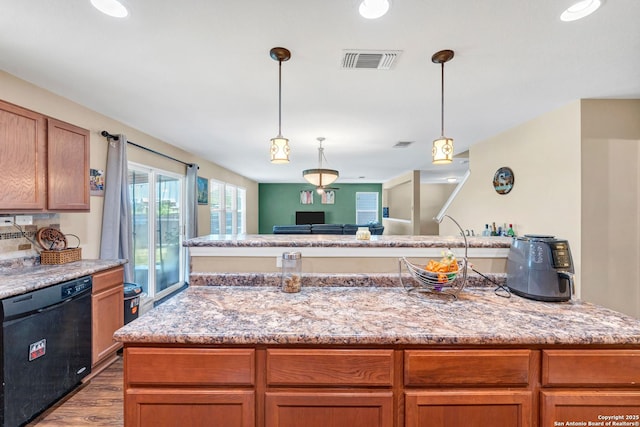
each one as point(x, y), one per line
point(363, 233)
point(291, 272)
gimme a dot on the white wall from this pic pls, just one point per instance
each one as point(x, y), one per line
point(611, 204)
point(88, 225)
point(544, 155)
point(432, 198)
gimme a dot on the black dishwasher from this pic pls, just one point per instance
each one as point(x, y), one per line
point(46, 347)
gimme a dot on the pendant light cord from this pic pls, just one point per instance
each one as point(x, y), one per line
point(279, 99)
point(442, 100)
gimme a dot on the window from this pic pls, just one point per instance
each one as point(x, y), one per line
point(228, 208)
point(366, 208)
point(157, 212)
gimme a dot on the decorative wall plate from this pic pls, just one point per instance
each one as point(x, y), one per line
point(51, 239)
point(503, 180)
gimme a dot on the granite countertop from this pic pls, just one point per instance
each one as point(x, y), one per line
point(243, 315)
point(20, 280)
point(329, 240)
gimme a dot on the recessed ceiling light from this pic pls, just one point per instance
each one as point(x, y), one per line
point(373, 9)
point(111, 7)
point(580, 9)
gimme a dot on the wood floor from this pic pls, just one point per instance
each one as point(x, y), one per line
point(96, 404)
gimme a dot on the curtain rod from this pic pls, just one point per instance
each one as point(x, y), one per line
point(110, 136)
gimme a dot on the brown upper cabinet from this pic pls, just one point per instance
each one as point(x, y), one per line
point(44, 163)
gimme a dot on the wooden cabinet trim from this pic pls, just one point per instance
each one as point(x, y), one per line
point(609, 368)
point(44, 163)
point(23, 159)
point(587, 405)
point(183, 366)
point(521, 399)
point(457, 368)
point(108, 316)
point(353, 400)
point(155, 400)
point(330, 367)
point(67, 167)
point(107, 313)
point(108, 279)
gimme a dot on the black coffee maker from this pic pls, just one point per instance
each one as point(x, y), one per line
point(540, 268)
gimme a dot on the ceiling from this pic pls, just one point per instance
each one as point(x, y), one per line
point(198, 75)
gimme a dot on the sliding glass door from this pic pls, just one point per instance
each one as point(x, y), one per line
point(157, 208)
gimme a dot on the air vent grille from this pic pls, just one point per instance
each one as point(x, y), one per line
point(369, 59)
point(402, 144)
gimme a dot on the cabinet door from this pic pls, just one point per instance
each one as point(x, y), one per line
point(107, 312)
point(22, 159)
point(189, 407)
point(462, 408)
point(67, 167)
point(590, 407)
point(328, 409)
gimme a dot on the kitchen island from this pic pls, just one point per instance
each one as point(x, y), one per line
point(338, 253)
point(378, 356)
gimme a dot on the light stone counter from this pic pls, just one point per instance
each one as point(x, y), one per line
point(20, 280)
point(233, 315)
point(326, 253)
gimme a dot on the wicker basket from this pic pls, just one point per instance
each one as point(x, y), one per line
point(61, 257)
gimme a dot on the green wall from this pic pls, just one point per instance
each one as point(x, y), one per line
point(279, 202)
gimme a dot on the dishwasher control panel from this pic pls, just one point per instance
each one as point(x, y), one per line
point(75, 287)
point(42, 298)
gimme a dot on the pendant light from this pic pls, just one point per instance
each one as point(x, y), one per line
point(442, 151)
point(280, 145)
point(320, 177)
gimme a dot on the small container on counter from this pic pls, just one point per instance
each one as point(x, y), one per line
point(291, 272)
point(363, 233)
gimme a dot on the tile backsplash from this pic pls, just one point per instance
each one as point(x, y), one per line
point(18, 243)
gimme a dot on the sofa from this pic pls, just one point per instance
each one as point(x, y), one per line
point(374, 228)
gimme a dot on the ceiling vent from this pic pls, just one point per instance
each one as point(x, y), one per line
point(402, 144)
point(369, 59)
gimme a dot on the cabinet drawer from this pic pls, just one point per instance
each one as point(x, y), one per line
point(330, 367)
point(335, 409)
point(108, 279)
point(468, 367)
point(591, 407)
point(591, 367)
point(199, 366)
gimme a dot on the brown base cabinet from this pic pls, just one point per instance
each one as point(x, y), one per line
point(321, 409)
point(469, 408)
point(107, 306)
point(193, 408)
point(380, 387)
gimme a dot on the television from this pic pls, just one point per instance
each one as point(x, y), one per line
point(309, 217)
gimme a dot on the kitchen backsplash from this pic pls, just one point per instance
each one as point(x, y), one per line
point(18, 244)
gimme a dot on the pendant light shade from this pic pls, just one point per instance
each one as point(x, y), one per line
point(442, 151)
point(320, 177)
point(280, 145)
point(280, 150)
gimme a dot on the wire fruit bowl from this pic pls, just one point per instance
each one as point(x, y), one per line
point(430, 282)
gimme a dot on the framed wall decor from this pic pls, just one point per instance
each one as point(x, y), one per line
point(96, 182)
point(328, 197)
point(203, 191)
point(306, 197)
point(503, 180)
